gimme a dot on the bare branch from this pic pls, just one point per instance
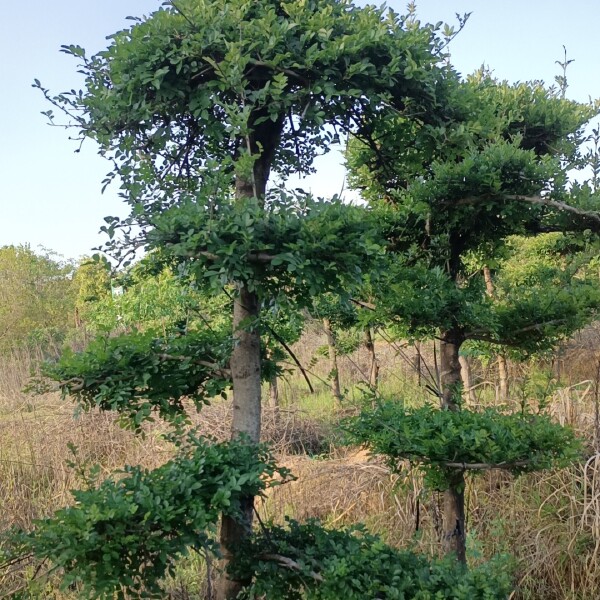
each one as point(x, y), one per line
point(592, 218)
point(363, 304)
point(292, 355)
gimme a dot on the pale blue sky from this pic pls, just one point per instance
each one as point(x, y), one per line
point(50, 196)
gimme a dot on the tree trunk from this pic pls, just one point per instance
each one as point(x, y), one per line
point(454, 538)
point(503, 377)
point(453, 519)
point(245, 365)
point(245, 374)
point(373, 362)
point(334, 375)
point(502, 365)
point(417, 362)
point(274, 393)
point(465, 373)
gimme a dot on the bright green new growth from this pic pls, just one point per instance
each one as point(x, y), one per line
point(442, 442)
point(37, 298)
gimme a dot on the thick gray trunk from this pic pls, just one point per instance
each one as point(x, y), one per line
point(334, 372)
point(245, 367)
point(453, 518)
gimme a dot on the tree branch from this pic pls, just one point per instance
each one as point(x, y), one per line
point(266, 65)
point(288, 563)
point(363, 304)
point(203, 363)
point(254, 257)
point(260, 257)
point(593, 216)
point(487, 336)
point(485, 466)
point(292, 355)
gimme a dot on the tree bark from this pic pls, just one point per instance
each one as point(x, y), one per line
point(335, 375)
point(373, 362)
point(245, 374)
point(245, 364)
point(453, 519)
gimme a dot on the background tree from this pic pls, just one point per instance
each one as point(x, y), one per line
point(499, 168)
point(37, 300)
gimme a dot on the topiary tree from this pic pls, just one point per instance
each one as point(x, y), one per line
point(452, 197)
point(197, 105)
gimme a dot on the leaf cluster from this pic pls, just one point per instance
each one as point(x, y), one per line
point(442, 442)
point(119, 539)
point(546, 288)
point(309, 562)
point(194, 91)
point(298, 247)
point(138, 373)
point(422, 301)
point(165, 300)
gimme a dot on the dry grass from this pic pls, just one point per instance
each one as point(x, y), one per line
point(550, 522)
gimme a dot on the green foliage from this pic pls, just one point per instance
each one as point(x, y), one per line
point(421, 300)
point(546, 289)
point(339, 311)
point(123, 536)
point(308, 562)
point(498, 167)
point(162, 301)
point(297, 246)
point(37, 299)
point(493, 125)
point(93, 281)
point(138, 373)
point(441, 442)
point(281, 325)
point(202, 76)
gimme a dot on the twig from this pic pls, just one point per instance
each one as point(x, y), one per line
point(292, 355)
